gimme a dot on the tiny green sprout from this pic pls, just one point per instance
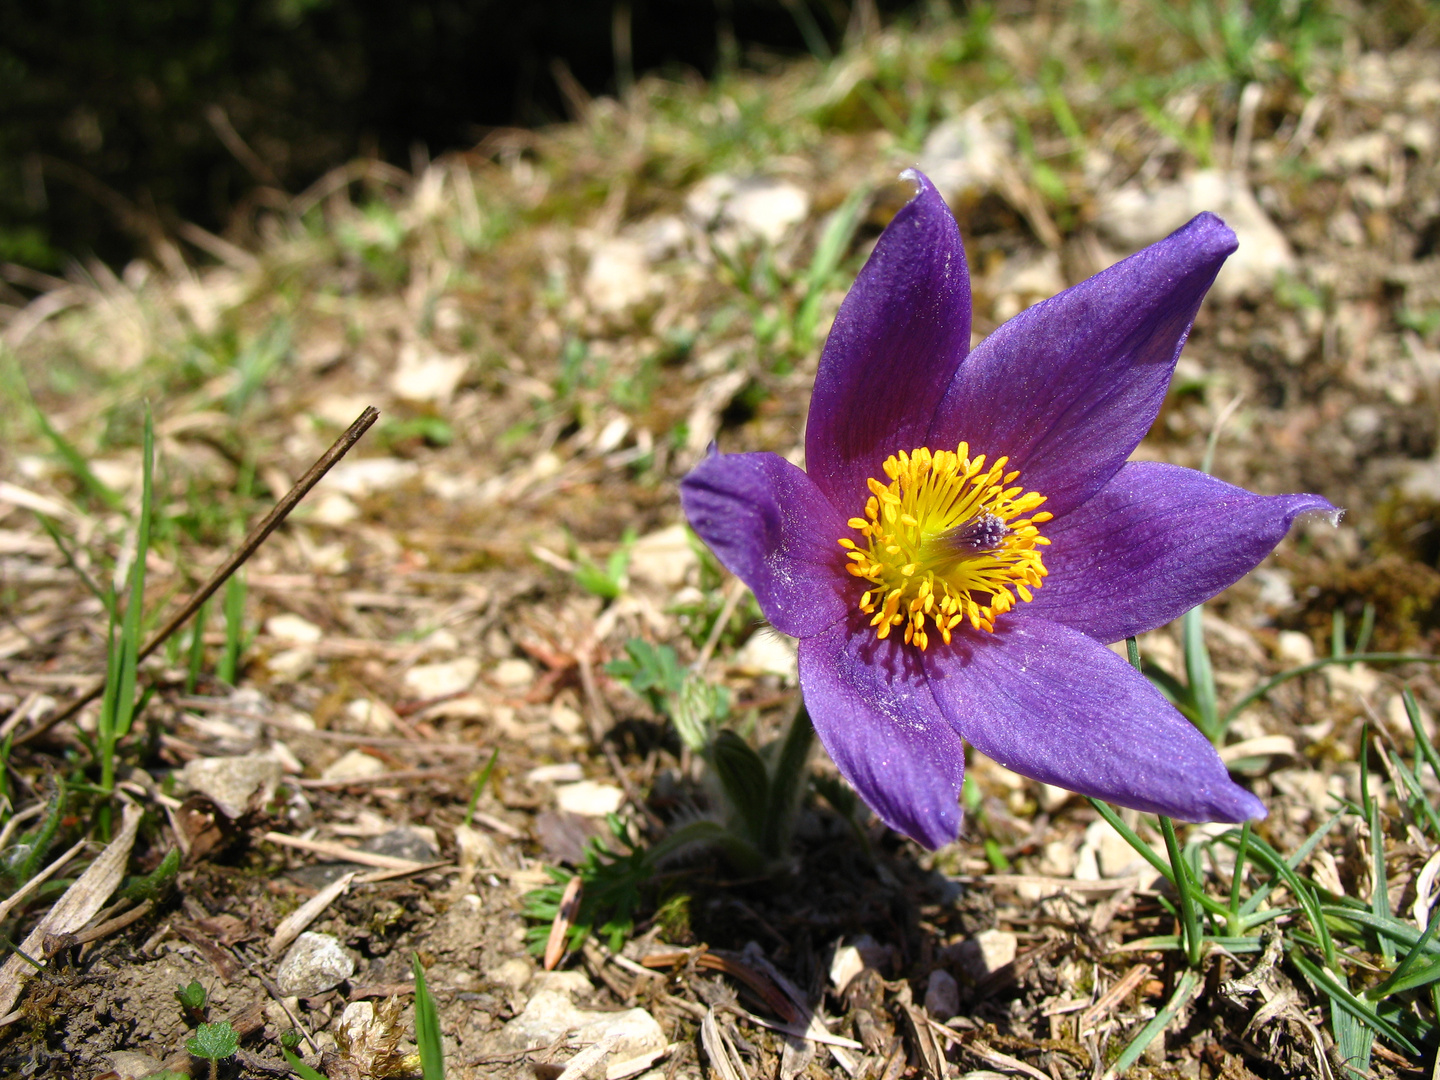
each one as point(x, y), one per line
point(193, 999)
point(609, 581)
point(149, 886)
point(213, 1042)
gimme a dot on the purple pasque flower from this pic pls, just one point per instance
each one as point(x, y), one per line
point(934, 599)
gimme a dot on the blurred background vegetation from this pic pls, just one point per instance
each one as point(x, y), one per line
point(120, 120)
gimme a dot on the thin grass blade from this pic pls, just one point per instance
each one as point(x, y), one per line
point(1200, 674)
point(427, 1027)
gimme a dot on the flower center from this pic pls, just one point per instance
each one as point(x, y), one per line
point(947, 540)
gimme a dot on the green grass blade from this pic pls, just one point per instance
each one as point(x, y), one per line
point(1380, 895)
point(105, 596)
point(1417, 794)
point(1200, 675)
point(1421, 975)
point(1303, 893)
point(1365, 804)
point(1353, 1041)
point(195, 660)
point(1326, 981)
point(1422, 741)
point(130, 627)
point(1367, 628)
point(1315, 665)
point(479, 788)
point(299, 1068)
point(1145, 851)
point(1172, 943)
point(233, 608)
point(122, 664)
point(1404, 977)
point(1185, 989)
point(1242, 852)
point(1184, 891)
point(76, 463)
point(1301, 854)
point(1397, 930)
point(833, 244)
point(427, 1027)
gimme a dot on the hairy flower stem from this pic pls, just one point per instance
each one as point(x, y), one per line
point(787, 784)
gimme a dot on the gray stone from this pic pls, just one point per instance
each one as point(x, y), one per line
point(589, 798)
point(965, 155)
point(550, 1014)
point(514, 973)
point(984, 954)
point(444, 678)
point(234, 784)
point(314, 964)
point(405, 842)
point(353, 765)
point(426, 375)
point(942, 995)
point(662, 237)
point(758, 206)
point(664, 559)
point(365, 476)
point(565, 772)
point(1024, 279)
point(293, 628)
point(619, 276)
point(1134, 217)
point(512, 673)
point(769, 652)
point(133, 1065)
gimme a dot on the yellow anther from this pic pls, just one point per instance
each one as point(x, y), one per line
point(949, 540)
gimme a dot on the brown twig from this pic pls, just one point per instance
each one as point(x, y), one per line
point(716, 961)
point(257, 536)
point(395, 776)
point(110, 926)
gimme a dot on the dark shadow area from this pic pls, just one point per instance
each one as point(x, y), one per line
point(118, 121)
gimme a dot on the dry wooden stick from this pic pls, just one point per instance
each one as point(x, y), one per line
point(257, 536)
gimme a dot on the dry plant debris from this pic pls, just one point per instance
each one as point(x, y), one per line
point(554, 326)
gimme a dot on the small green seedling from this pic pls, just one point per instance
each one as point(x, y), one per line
point(289, 1042)
point(150, 886)
point(214, 1043)
point(193, 1000)
point(609, 581)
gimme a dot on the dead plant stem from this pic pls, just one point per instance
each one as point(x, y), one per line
point(257, 536)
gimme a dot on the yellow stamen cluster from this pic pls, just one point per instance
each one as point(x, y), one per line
point(947, 540)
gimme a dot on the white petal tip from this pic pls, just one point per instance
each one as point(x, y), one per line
point(1333, 515)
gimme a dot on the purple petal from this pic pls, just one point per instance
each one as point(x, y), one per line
point(1154, 542)
point(1069, 387)
point(897, 340)
point(872, 709)
point(771, 527)
point(1058, 707)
